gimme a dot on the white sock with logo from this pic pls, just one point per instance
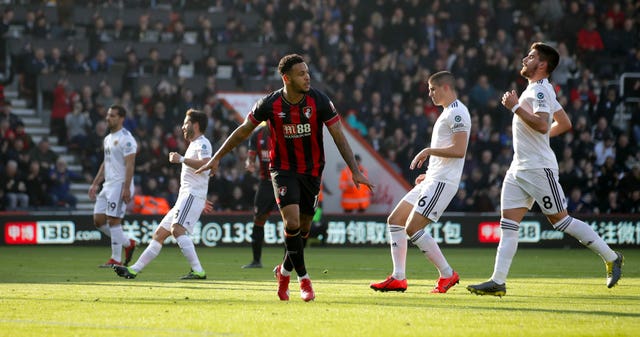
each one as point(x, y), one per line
point(117, 240)
point(587, 236)
point(398, 243)
point(432, 252)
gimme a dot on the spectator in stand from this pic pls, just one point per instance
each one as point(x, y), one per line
point(42, 29)
point(143, 32)
point(29, 23)
point(6, 113)
point(119, 31)
point(77, 124)
point(153, 65)
point(94, 154)
point(35, 66)
point(79, 65)
point(61, 106)
point(55, 62)
point(101, 62)
point(625, 152)
point(60, 178)
point(18, 154)
point(132, 71)
point(105, 95)
point(589, 42)
point(206, 35)
point(37, 182)
point(97, 35)
point(26, 138)
point(44, 155)
point(15, 188)
point(607, 105)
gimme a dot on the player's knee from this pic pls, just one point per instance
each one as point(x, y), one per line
point(177, 230)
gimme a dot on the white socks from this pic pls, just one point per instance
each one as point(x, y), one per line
point(398, 238)
point(105, 230)
point(150, 253)
point(430, 248)
point(506, 250)
point(118, 240)
point(189, 251)
point(587, 236)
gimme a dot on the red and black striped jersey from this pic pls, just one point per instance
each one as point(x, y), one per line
point(296, 130)
point(260, 146)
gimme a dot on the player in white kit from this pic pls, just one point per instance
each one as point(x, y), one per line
point(426, 202)
point(191, 201)
point(533, 175)
point(117, 190)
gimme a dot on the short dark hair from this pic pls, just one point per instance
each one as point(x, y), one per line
point(288, 61)
point(443, 77)
point(548, 54)
point(122, 112)
point(199, 117)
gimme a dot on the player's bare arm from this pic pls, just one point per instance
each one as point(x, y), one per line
point(129, 164)
point(347, 154)
point(240, 134)
point(93, 189)
point(194, 163)
point(561, 123)
point(456, 150)
point(537, 121)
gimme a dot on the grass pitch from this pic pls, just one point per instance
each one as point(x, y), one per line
point(59, 291)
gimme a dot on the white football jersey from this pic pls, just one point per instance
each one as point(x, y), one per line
point(454, 118)
point(196, 184)
point(117, 146)
point(531, 148)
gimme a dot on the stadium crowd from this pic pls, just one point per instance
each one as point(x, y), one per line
point(371, 57)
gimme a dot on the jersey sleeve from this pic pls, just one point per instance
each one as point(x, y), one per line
point(129, 146)
point(204, 150)
point(328, 113)
point(259, 112)
point(542, 100)
point(459, 120)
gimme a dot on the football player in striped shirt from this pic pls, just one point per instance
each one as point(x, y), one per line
point(296, 115)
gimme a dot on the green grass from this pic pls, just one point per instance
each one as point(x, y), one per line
point(59, 291)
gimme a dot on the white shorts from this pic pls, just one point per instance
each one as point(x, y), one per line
point(109, 201)
point(431, 198)
point(521, 188)
point(186, 212)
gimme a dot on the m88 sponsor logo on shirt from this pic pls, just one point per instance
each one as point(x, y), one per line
point(296, 130)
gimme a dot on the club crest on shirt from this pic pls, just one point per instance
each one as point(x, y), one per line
point(115, 143)
point(282, 191)
point(540, 95)
point(307, 111)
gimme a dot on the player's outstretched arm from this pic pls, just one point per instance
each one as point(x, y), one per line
point(240, 134)
point(347, 154)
